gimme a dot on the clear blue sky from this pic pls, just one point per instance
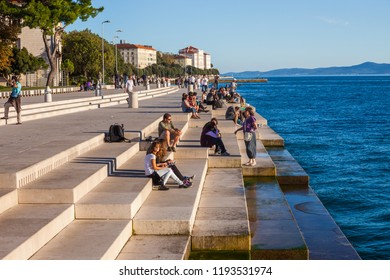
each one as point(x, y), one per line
point(254, 35)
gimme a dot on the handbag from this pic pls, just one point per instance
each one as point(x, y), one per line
point(247, 136)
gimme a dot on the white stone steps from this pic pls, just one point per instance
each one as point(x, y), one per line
point(269, 137)
point(87, 240)
point(39, 107)
point(45, 110)
point(8, 199)
point(51, 113)
point(222, 219)
point(227, 128)
point(264, 163)
point(288, 170)
point(156, 247)
point(172, 212)
point(118, 196)
point(24, 229)
point(74, 179)
point(275, 233)
point(29, 170)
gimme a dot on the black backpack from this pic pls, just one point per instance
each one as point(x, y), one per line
point(116, 133)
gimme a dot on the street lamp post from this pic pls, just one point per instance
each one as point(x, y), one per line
point(106, 21)
point(116, 52)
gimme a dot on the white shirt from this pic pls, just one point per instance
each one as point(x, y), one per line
point(148, 164)
point(129, 85)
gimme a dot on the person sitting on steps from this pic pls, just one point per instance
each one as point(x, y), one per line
point(161, 157)
point(211, 136)
point(167, 131)
point(188, 108)
point(161, 170)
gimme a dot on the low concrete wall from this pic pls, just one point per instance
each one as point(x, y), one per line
point(41, 91)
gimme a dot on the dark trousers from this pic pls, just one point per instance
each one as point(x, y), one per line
point(219, 145)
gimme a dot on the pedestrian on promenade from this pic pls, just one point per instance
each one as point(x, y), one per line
point(129, 88)
point(233, 87)
point(14, 100)
point(160, 170)
point(204, 82)
point(211, 136)
point(249, 127)
point(167, 131)
point(216, 82)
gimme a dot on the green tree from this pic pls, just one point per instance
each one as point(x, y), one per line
point(9, 30)
point(83, 48)
point(68, 67)
point(24, 62)
point(52, 17)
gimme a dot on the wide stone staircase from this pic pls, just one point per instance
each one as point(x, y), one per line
point(92, 201)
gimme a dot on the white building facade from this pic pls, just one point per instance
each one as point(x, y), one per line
point(198, 57)
point(139, 55)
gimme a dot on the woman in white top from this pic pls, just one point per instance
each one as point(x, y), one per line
point(161, 169)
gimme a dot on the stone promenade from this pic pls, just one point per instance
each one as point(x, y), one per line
point(66, 194)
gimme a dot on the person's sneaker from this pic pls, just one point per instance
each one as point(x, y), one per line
point(186, 184)
point(169, 149)
point(163, 188)
point(18, 123)
point(225, 154)
point(173, 149)
point(190, 179)
point(218, 152)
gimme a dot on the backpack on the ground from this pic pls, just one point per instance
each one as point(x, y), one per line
point(116, 133)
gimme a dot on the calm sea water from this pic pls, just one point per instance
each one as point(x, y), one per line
point(338, 128)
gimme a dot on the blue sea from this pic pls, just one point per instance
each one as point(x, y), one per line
point(338, 129)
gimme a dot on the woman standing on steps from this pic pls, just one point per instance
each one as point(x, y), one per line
point(161, 170)
point(249, 127)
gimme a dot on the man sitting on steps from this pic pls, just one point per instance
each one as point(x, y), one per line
point(167, 131)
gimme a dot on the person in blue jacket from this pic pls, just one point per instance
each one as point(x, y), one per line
point(14, 100)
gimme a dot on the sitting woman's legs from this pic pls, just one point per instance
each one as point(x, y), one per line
point(166, 173)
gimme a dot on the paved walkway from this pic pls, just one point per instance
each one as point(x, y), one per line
point(33, 141)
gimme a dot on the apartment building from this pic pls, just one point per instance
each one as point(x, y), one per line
point(182, 60)
point(139, 55)
point(198, 57)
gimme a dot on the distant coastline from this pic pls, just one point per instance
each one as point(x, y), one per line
point(367, 68)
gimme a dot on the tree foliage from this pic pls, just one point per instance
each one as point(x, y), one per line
point(24, 62)
point(9, 30)
point(51, 16)
point(84, 49)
